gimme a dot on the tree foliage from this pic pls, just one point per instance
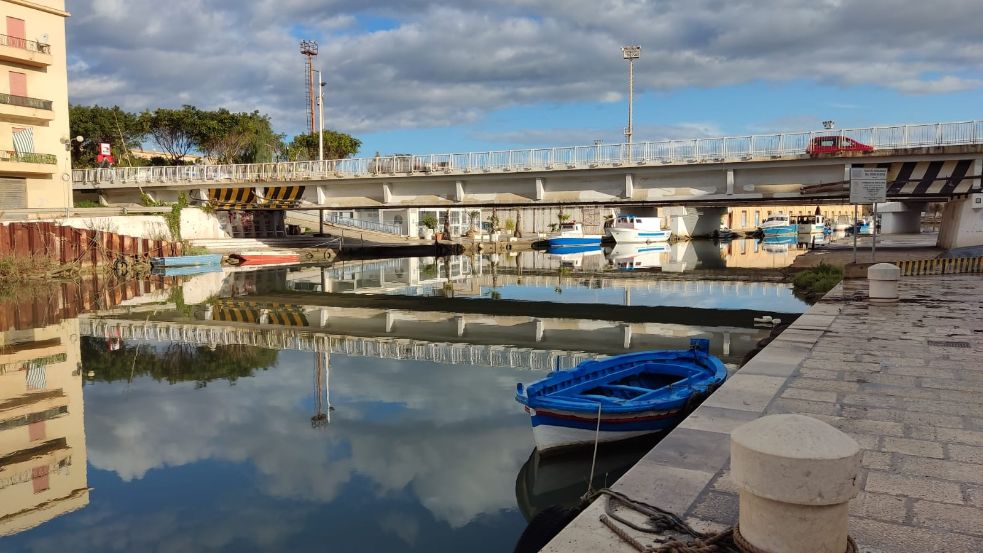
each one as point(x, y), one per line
point(230, 137)
point(97, 124)
point(220, 135)
point(176, 131)
point(175, 362)
point(337, 145)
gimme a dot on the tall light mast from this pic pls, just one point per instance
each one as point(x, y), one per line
point(308, 48)
point(630, 53)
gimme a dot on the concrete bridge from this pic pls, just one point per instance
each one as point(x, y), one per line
point(934, 160)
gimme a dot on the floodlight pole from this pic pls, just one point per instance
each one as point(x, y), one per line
point(320, 117)
point(630, 53)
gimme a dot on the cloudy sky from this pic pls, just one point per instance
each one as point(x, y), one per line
point(440, 75)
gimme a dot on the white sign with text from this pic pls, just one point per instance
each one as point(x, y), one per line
point(868, 186)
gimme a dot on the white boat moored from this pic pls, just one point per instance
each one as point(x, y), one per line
point(629, 229)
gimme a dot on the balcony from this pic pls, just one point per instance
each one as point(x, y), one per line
point(25, 52)
point(24, 109)
point(14, 164)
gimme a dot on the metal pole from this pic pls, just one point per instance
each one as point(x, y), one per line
point(320, 221)
point(873, 242)
point(320, 117)
point(631, 97)
point(855, 232)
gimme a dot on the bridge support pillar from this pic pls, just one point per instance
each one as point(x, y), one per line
point(540, 190)
point(629, 186)
point(627, 331)
point(962, 223)
point(459, 191)
point(540, 327)
point(730, 182)
point(693, 222)
point(387, 193)
point(901, 217)
point(460, 325)
point(390, 321)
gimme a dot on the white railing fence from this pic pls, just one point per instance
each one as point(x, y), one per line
point(696, 150)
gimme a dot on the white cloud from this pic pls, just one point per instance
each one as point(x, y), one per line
point(448, 63)
point(453, 443)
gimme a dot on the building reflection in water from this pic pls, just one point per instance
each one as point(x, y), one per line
point(42, 433)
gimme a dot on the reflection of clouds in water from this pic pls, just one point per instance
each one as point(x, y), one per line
point(451, 440)
point(403, 526)
point(169, 531)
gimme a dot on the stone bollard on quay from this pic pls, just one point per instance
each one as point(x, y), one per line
point(796, 475)
point(882, 280)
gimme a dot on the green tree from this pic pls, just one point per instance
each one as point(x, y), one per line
point(229, 137)
point(177, 131)
point(95, 124)
point(337, 145)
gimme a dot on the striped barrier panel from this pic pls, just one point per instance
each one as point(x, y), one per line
point(940, 266)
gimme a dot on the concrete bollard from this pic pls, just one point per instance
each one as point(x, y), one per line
point(882, 281)
point(796, 476)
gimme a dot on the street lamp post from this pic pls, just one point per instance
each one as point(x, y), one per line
point(630, 53)
point(320, 117)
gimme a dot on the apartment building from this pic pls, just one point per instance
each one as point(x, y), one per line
point(35, 164)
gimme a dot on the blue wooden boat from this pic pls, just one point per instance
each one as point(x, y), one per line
point(190, 270)
point(632, 394)
point(186, 260)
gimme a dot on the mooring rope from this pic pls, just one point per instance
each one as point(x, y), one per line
point(593, 462)
point(660, 520)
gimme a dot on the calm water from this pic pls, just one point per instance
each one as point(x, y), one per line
point(204, 416)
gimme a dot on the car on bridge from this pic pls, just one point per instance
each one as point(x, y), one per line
point(835, 144)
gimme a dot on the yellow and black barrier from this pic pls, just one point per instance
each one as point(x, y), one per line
point(940, 266)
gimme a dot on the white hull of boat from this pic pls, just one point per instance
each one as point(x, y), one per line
point(549, 437)
point(638, 236)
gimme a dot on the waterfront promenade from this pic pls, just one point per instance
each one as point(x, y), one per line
point(905, 380)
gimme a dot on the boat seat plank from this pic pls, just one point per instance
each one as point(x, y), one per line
point(627, 388)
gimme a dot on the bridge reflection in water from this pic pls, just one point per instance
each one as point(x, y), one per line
point(302, 310)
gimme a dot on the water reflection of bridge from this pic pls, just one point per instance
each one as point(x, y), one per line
point(496, 340)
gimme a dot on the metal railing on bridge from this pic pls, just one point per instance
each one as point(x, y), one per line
point(336, 219)
point(688, 151)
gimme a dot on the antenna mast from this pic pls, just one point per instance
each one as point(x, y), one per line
point(309, 50)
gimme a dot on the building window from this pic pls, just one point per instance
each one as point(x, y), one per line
point(18, 83)
point(757, 217)
point(16, 33)
point(743, 219)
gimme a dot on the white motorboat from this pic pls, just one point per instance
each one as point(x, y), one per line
point(778, 224)
point(810, 224)
point(572, 234)
point(630, 229)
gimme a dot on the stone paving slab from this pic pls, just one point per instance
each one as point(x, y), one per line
point(905, 380)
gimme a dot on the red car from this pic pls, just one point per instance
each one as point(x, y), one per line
point(835, 144)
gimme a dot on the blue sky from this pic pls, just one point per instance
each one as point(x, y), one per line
point(421, 76)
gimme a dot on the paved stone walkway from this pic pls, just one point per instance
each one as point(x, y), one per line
point(904, 380)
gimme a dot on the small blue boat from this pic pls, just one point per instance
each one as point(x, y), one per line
point(632, 394)
point(186, 260)
point(189, 270)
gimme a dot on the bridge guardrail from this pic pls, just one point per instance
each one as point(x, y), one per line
point(695, 150)
point(376, 226)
